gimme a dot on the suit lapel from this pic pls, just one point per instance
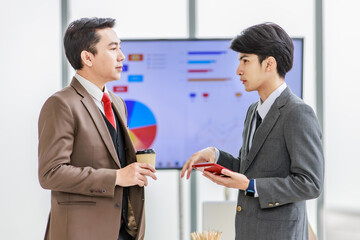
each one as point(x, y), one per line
point(246, 134)
point(265, 128)
point(248, 128)
point(98, 120)
point(261, 135)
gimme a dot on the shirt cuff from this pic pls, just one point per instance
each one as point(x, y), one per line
point(217, 154)
point(256, 193)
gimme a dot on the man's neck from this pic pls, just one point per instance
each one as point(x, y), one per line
point(92, 79)
point(267, 90)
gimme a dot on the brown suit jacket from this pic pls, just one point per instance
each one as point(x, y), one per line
point(78, 162)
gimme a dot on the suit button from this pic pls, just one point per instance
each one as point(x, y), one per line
point(239, 208)
point(276, 204)
point(117, 205)
point(271, 205)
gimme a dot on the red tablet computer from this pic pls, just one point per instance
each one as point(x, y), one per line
point(211, 167)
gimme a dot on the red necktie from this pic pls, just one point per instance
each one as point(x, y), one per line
point(108, 110)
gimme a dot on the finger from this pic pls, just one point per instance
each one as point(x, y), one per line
point(143, 180)
point(189, 172)
point(216, 178)
point(226, 172)
point(146, 172)
point(209, 175)
point(147, 166)
point(150, 174)
point(183, 170)
point(141, 184)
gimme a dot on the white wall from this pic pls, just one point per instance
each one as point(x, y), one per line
point(342, 111)
point(29, 73)
point(341, 118)
point(30, 70)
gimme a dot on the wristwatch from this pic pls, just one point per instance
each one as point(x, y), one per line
point(250, 191)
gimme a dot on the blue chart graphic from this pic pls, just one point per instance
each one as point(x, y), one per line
point(142, 124)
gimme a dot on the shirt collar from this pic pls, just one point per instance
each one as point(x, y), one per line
point(263, 108)
point(92, 89)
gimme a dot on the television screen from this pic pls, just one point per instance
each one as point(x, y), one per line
point(184, 95)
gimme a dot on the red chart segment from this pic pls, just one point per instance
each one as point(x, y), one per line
point(145, 136)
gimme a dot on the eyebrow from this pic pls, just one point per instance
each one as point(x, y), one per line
point(243, 56)
point(114, 43)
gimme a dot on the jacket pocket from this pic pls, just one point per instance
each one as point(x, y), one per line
point(282, 213)
point(278, 223)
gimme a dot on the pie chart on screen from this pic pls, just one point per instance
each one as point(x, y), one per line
point(142, 124)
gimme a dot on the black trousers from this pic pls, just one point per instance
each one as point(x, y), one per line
point(124, 235)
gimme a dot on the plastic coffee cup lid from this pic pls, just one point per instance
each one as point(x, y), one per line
point(146, 151)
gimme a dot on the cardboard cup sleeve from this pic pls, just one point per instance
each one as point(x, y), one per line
point(146, 156)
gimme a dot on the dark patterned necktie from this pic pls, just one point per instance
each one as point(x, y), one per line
point(258, 120)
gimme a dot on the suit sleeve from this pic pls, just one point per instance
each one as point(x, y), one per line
point(56, 140)
point(229, 161)
point(303, 142)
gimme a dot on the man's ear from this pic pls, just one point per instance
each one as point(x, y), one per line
point(271, 64)
point(87, 58)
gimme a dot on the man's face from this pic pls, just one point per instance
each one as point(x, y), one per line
point(251, 72)
point(107, 64)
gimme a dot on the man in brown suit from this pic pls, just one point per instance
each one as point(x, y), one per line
point(86, 158)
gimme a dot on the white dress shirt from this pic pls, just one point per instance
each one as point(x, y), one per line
point(94, 91)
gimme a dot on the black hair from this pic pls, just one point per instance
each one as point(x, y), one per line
point(265, 40)
point(81, 35)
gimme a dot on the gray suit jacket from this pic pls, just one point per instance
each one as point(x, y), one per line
point(286, 159)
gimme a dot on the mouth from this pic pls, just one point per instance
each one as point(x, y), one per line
point(243, 81)
point(119, 68)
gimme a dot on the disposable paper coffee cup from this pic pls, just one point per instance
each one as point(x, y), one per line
point(146, 156)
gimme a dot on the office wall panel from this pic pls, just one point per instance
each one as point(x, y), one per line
point(29, 73)
point(341, 110)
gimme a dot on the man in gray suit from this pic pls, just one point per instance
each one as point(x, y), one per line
point(281, 163)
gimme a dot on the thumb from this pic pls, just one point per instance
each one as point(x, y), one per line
point(226, 172)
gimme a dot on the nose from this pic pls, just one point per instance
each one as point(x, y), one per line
point(121, 56)
point(239, 71)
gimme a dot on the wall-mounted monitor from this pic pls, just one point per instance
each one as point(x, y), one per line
point(184, 95)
